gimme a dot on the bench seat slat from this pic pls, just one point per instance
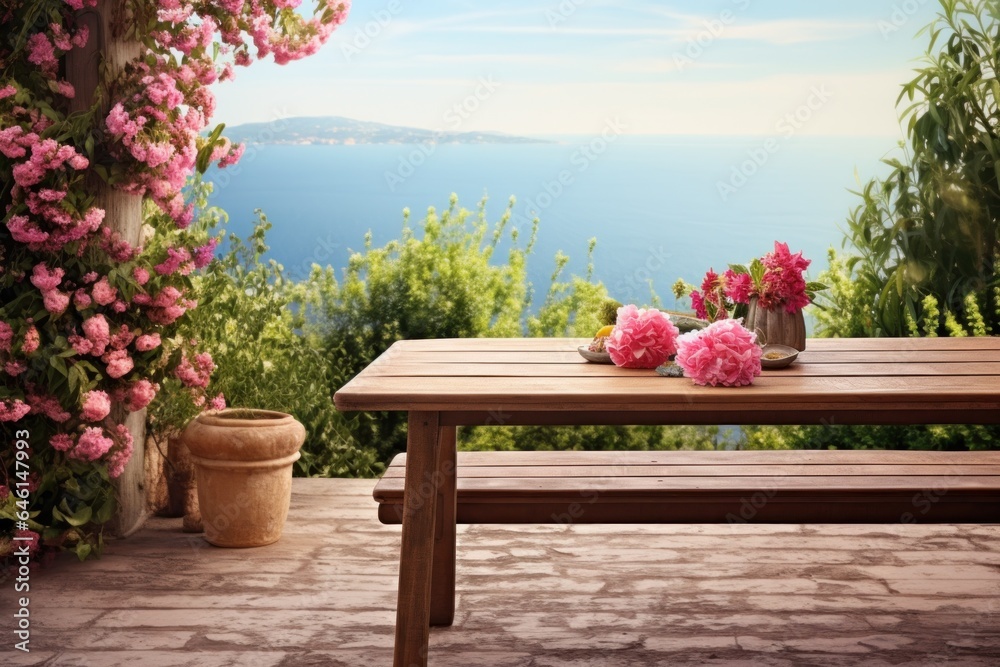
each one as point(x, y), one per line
point(639, 487)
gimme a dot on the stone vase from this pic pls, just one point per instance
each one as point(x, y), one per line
point(243, 465)
point(777, 326)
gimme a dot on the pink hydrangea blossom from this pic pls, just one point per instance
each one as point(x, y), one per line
point(122, 453)
point(31, 340)
point(47, 406)
point(6, 336)
point(203, 254)
point(7, 91)
point(195, 375)
point(642, 338)
point(147, 342)
point(121, 339)
point(217, 403)
point(61, 442)
point(14, 368)
point(140, 394)
point(118, 363)
point(91, 445)
point(44, 279)
point(81, 299)
point(98, 332)
point(55, 302)
point(13, 410)
point(141, 275)
point(724, 353)
point(96, 406)
point(103, 293)
point(81, 344)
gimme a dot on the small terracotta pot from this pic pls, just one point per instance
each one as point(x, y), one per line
point(243, 463)
point(777, 326)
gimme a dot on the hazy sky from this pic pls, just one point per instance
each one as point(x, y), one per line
point(730, 67)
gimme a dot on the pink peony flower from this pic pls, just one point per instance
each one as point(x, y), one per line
point(14, 368)
point(724, 353)
point(103, 293)
point(147, 342)
point(121, 455)
point(81, 299)
point(217, 403)
point(31, 340)
point(61, 442)
point(6, 336)
point(141, 275)
point(91, 445)
point(642, 338)
point(11, 411)
point(48, 406)
point(140, 394)
point(96, 406)
point(98, 333)
point(44, 279)
point(55, 301)
point(118, 363)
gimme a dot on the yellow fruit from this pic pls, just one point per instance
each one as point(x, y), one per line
point(605, 331)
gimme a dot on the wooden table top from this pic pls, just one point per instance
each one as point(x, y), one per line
point(545, 380)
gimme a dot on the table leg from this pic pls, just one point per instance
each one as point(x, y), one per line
point(443, 577)
point(416, 558)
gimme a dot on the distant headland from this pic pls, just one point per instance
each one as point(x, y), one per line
point(337, 130)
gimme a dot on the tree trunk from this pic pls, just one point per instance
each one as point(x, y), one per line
point(123, 212)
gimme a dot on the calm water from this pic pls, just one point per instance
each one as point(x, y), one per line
point(654, 204)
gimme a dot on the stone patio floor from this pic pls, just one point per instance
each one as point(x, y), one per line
point(529, 596)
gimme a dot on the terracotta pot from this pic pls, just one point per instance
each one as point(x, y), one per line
point(243, 464)
point(777, 326)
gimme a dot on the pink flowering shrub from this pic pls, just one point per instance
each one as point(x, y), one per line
point(642, 338)
point(88, 318)
point(724, 353)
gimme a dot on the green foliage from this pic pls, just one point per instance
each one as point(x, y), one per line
point(844, 310)
point(547, 438)
point(246, 320)
point(439, 281)
point(609, 312)
point(932, 226)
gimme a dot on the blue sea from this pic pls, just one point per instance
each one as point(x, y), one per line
point(660, 207)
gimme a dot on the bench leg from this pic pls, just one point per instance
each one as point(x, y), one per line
point(417, 547)
point(443, 577)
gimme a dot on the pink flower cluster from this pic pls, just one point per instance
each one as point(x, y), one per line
point(13, 410)
point(96, 406)
point(782, 285)
point(724, 353)
point(642, 338)
point(195, 375)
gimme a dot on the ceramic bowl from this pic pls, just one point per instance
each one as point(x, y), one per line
point(594, 357)
point(788, 355)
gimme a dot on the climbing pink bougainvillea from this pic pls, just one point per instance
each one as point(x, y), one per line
point(88, 318)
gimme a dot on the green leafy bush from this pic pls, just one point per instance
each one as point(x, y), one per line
point(932, 226)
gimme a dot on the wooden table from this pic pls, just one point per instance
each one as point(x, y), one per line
point(443, 384)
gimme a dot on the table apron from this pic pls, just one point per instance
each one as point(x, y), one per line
point(690, 416)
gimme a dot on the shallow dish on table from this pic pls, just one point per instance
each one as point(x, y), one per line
point(594, 357)
point(788, 355)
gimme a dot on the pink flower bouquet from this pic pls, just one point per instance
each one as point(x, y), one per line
point(777, 280)
point(724, 353)
point(642, 338)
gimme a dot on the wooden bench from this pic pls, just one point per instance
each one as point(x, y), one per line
point(713, 487)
